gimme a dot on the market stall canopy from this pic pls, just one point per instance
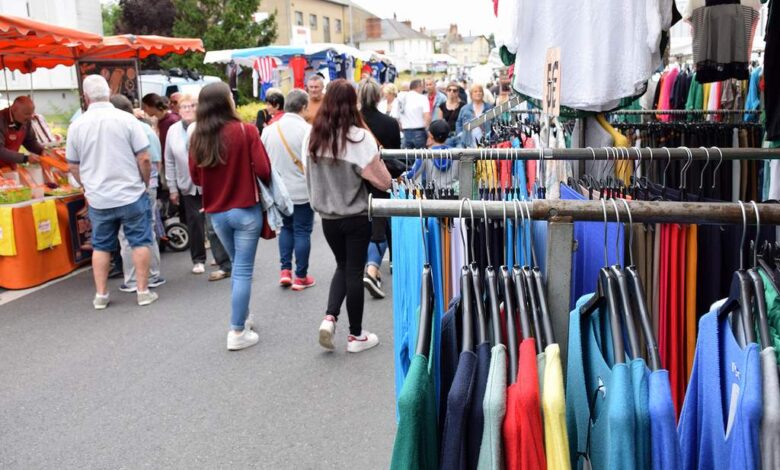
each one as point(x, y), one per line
point(129, 46)
point(245, 57)
point(26, 45)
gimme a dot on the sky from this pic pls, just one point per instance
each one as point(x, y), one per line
point(470, 15)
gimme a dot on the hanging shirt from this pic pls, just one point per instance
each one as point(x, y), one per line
point(491, 455)
point(600, 415)
point(448, 357)
point(476, 423)
point(523, 433)
point(298, 67)
point(773, 311)
point(416, 443)
point(770, 422)
point(459, 403)
point(556, 439)
point(639, 382)
point(663, 423)
point(720, 420)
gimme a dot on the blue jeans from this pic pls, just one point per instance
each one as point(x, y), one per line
point(415, 138)
point(239, 231)
point(296, 236)
point(376, 253)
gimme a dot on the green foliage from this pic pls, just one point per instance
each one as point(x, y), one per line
point(110, 12)
point(248, 112)
point(222, 24)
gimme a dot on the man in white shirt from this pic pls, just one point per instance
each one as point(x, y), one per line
point(283, 140)
point(415, 116)
point(107, 154)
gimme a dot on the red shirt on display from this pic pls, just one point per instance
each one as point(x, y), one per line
point(298, 66)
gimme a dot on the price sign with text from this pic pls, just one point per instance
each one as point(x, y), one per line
point(551, 100)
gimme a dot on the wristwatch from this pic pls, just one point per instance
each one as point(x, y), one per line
point(25, 158)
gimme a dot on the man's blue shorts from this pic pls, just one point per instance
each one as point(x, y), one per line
point(136, 218)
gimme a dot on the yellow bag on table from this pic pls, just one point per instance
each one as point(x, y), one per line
point(47, 228)
point(7, 237)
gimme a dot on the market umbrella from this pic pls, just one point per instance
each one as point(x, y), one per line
point(129, 46)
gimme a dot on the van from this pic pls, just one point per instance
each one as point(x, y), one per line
point(166, 83)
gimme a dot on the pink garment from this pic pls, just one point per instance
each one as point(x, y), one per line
point(664, 99)
point(716, 90)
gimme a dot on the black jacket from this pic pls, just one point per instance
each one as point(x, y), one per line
point(388, 133)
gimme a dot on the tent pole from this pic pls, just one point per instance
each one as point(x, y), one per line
point(5, 77)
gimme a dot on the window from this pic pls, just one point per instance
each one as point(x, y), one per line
point(392, 46)
point(313, 22)
point(298, 18)
point(325, 29)
point(338, 26)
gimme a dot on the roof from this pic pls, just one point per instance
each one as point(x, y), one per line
point(468, 40)
point(393, 30)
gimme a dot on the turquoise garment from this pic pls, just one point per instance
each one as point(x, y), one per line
point(416, 440)
point(599, 400)
point(640, 382)
point(773, 313)
point(753, 100)
point(491, 456)
point(434, 254)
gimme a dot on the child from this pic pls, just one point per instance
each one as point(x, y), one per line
point(442, 172)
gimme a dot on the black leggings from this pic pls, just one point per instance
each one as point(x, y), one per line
point(348, 239)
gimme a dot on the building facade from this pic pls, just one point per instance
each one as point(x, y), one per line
point(398, 40)
point(470, 50)
point(54, 90)
point(302, 22)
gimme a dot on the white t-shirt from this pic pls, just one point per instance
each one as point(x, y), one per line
point(412, 107)
point(104, 142)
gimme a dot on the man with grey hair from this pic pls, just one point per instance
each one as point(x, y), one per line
point(415, 115)
point(107, 151)
point(315, 87)
point(283, 140)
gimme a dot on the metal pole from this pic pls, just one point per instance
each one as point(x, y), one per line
point(5, 77)
point(560, 248)
point(585, 154)
point(641, 211)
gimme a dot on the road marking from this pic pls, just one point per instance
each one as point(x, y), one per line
point(7, 297)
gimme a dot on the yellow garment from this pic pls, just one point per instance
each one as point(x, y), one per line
point(7, 237)
point(690, 298)
point(706, 92)
point(623, 169)
point(47, 228)
point(358, 70)
point(556, 438)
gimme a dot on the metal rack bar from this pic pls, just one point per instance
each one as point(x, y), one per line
point(641, 211)
point(585, 154)
point(500, 109)
point(683, 111)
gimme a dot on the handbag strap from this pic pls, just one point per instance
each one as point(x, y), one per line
point(295, 159)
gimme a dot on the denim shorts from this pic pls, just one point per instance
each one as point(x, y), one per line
point(135, 218)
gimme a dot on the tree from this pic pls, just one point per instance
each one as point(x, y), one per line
point(146, 17)
point(222, 24)
point(110, 12)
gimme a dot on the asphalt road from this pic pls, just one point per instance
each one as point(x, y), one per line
point(155, 387)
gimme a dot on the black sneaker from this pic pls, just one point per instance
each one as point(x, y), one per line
point(373, 286)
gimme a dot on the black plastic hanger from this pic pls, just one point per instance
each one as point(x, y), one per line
point(635, 284)
point(625, 297)
point(539, 288)
point(466, 294)
point(739, 302)
point(606, 294)
point(530, 290)
point(491, 280)
point(426, 298)
point(508, 291)
point(521, 298)
point(758, 288)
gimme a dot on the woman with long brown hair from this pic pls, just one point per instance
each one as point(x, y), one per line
point(225, 157)
point(343, 156)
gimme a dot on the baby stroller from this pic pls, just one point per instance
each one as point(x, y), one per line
point(170, 231)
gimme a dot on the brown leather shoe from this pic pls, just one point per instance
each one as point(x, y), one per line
point(218, 275)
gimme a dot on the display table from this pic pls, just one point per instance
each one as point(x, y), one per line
point(31, 267)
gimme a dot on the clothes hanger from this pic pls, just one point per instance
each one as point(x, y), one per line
point(625, 298)
point(478, 296)
point(530, 289)
point(758, 288)
point(508, 292)
point(703, 170)
point(541, 294)
point(521, 297)
point(426, 297)
point(606, 295)
point(720, 162)
point(739, 303)
point(635, 282)
point(491, 280)
point(467, 300)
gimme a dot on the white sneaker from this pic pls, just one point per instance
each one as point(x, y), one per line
point(198, 268)
point(242, 340)
point(146, 298)
point(250, 322)
point(366, 340)
point(327, 332)
point(100, 302)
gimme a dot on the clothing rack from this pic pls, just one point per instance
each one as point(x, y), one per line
point(560, 229)
point(497, 111)
point(643, 112)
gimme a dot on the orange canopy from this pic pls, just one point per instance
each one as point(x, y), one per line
point(26, 44)
point(129, 46)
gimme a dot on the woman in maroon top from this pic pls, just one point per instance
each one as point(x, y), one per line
point(225, 157)
point(154, 106)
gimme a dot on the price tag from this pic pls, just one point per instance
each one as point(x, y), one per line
point(44, 226)
point(551, 100)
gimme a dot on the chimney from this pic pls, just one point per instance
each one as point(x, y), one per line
point(407, 23)
point(422, 29)
point(453, 30)
point(373, 28)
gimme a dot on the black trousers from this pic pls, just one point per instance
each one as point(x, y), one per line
point(195, 221)
point(348, 239)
